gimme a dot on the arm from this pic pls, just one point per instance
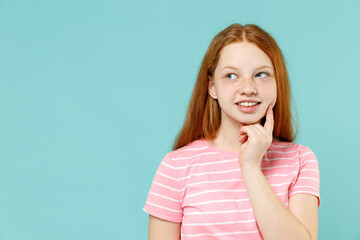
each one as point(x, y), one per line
point(163, 203)
point(163, 230)
point(274, 220)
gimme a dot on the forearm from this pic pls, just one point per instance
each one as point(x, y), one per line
point(274, 219)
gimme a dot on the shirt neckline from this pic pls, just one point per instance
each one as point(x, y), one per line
point(206, 143)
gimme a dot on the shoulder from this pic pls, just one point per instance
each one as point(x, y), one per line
point(194, 152)
point(175, 161)
point(290, 149)
point(189, 150)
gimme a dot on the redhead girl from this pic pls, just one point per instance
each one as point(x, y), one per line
point(234, 172)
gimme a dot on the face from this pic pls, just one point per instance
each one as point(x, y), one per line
point(243, 83)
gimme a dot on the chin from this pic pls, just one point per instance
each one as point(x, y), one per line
point(250, 122)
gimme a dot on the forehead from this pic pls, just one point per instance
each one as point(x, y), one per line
point(243, 55)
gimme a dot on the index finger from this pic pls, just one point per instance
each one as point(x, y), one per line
point(269, 122)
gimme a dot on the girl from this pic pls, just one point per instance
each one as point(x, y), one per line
point(234, 172)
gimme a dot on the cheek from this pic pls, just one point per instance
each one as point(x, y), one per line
point(274, 99)
point(225, 92)
point(272, 94)
point(225, 97)
point(269, 94)
point(275, 95)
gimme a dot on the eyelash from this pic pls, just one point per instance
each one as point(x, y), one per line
point(263, 73)
point(227, 75)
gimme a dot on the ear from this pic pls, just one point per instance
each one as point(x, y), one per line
point(211, 89)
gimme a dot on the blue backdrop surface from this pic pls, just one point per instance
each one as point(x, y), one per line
point(92, 94)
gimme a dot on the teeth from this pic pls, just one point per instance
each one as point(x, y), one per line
point(247, 104)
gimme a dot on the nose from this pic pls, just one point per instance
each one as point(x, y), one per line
point(247, 87)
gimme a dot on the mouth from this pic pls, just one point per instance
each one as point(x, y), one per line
point(248, 103)
point(248, 106)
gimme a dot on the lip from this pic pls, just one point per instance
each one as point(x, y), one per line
point(248, 109)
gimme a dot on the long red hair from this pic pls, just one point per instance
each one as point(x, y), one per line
point(203, 115)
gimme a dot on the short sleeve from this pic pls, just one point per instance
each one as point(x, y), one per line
point(163, 200)
point(308, 178)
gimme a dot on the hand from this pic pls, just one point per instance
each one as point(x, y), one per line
point(255, 140)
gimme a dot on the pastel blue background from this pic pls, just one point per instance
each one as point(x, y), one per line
point(92, 94)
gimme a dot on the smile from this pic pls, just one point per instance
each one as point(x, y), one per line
point(247, 104)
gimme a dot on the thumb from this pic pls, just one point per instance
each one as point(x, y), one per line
point(242, 138)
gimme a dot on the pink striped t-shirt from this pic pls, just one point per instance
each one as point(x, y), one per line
point(202, 187)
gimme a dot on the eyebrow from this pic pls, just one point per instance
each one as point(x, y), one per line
point(263, 66)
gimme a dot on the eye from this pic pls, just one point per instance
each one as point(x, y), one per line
point(262, 74)
point(231, 76)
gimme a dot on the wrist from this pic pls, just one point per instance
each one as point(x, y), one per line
point(249, 167)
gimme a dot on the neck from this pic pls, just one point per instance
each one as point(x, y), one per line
point(227, 136)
